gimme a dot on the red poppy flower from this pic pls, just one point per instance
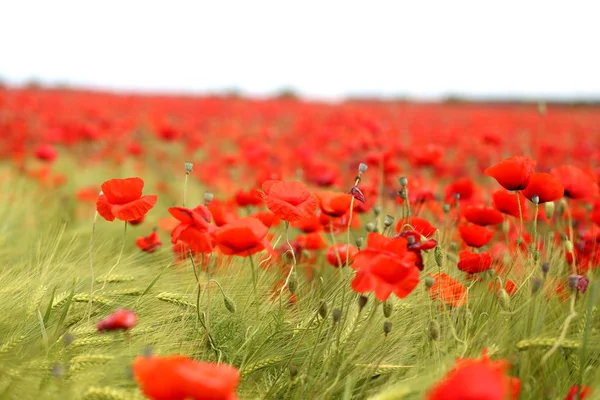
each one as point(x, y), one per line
point(340, 249)
point(180, 378)
point(475, 235)
point(385, 266)
point(509, 286)
point(481, 379)
point(547, 187)
point(415, 245)
point(312, 241)
point(420, 225)
point(473, 263)
point(194, 228)
point(119, 320)
point(334, 204)
point(148, 243)
point(250, 198)
point(309, 224)
point(481, 215)
point(451, 291)
point(46, 153)
point(464, 187)
point(243, 237)
point(513, 173)
point(122, 199)
point(290, 201)
point(267, 218)
point(583, 393)
point(506, 203)
point(578, 185)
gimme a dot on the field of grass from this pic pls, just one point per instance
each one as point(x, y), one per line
point(64, 268)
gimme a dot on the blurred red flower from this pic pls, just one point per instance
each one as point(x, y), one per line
point(289, 200)
point(122, 199)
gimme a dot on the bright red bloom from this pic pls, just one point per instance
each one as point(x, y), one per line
point(290, 201)
point(180, 378)
point(513, 173)
point(46, 153)
point(473, 263)
point(119, 320)
point(243, 237)
point(464, 187)
point(415, 245)
point(547, 187)
point(385, 266)
point(477, 379)
point(509, 286)
point(334, 204)
point(475, 235)
point(250, 198)
point(267, 218)
point(420, 225)
point(340, 249)
point(583, 393)
point(451, 291)
point(506, 203)
point(578, 185)
point(309, 224)
point(148, 243)
point(312, 241)
point(194, 228)
point(481, 215)
point(122, 199)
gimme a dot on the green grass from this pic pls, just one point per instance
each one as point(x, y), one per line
point(49, 347)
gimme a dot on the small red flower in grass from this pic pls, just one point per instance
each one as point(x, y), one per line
point(334, 204)
point(149, 243)
point(481, 215)
point(122, 199)
point(545, 186)
point(243, 237)
point(477, 379)
point(506, 203)
point(509, 286)
point(451, 292)
point(513, 173)
point(46, 153)
point(340, 249)
point(583, 393)
point(385, 266)
point(578, 185)
point(473, 263)
point(420, 225)
point(194, 229)
point(181, 378)
point(119, 320)
point(475, 235)
point(290, 201)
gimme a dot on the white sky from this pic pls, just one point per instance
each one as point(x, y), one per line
point(323, 49)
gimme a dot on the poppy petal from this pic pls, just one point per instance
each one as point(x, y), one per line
point(134, 209)
point(122, 191)
point(104, 208)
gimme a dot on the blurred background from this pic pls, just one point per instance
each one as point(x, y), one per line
point(531, 50)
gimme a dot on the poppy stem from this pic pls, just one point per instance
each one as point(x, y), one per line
point(253, 269)
point(184, 189)
point(92, 266)
point(207, 287)
point(520, 219)
point(534, 231)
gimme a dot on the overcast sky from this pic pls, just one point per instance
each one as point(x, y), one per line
point(323, 49)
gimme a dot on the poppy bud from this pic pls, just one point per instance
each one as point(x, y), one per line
point(388, 221)
point(323, 309)
point(336, 315)
point(362, 168)
point(293, 371)
point(358, 194)
point(148, 351)
point(229, 304)
point(68, 339)
point(439, 256)
point(453, 246)
point(545, 268)
point(208, 197)
point(371, 227)
point(535, 199)
point(387, 308)
point(433, 330)
point(377, 210)
point(57, 370)
point(560, 208)
point(446, 208)
point(504, 299)
point(188, 167)
point(549, 208)
point(456, 196)
point(536, 255)
point(403, 181)
point(362, 302)
point(536, 285)
point(410, 240)
point(387, 327)
point(492, 272)
point(429, 281)
point(293, 282)
point(569, 246)
point(359, 241)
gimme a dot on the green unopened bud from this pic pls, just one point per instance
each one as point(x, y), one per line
point(293, 282)
point(387, 327)
point(377, 210)
point(403, 181)
point(433, 330)
point(569, 246)
point(359, 241)
point(560, 208)
point(188, 167)
point(388, 221)
point(504, 299)
point(229, 304)
point(492, 272)
point(323, 309)
point(549, 209)
point(362, 302)
point(456, 196)
point(453, 246)
point(536, 255)
point(439, 256)
point(536, 285)
point(429, 281)
point(208, 197)
point(293, 371)
point(336, 315)
point(371, 227)
point(446, 208)
point(535, 199)
point(362, 168)
point(387, 308)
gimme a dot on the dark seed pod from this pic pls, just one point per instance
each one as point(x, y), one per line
point(336, 315)
point(387, 327)
point(433, 330)
point(387, 308)
point(323, 309)
point(362, 302)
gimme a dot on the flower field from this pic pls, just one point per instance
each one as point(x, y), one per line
point(181, 247)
